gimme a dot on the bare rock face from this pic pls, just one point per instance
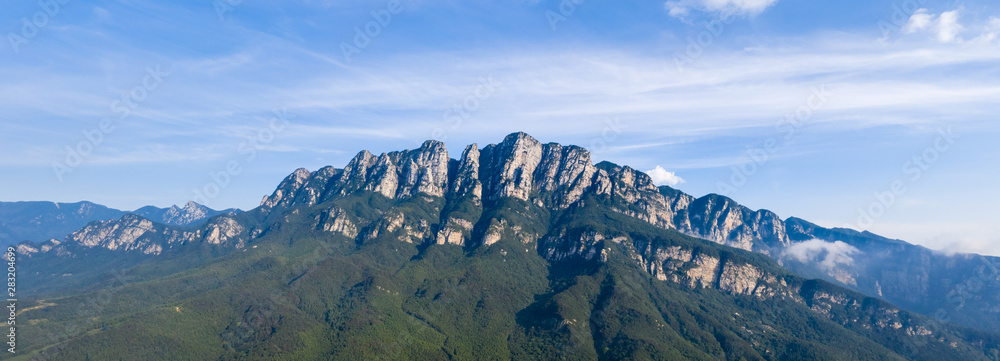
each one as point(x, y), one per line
point(638, 196)
point(424, 170)
point(455, 231)
point(671, 264)
point(191, 213)
point(357, 171)
point(181, 236)
point(566, 172)
point(398, 225)
point(511, 166)
point(565, 246)
point(223, 230)
point(467, 178)
point(739, 278)
point(336, 220)
point(285, 194)
point(721, 220)
point(123, 234)
point(451, 236)
point(695, 269)
point(312, 192)
point(399, 175)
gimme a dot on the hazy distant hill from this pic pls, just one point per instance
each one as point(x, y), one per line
point(42, 221)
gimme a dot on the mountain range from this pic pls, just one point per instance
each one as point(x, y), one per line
point(517, 250)
point(42, 221)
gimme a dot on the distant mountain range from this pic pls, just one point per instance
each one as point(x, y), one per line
point(517, 250)
point(42, 221)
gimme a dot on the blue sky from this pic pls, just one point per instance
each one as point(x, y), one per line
point(808, 108)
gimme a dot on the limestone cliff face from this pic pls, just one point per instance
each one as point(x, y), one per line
point(721, 220)
point(398, 174)
point(636, 193)
point(125, 234)
point(337, 220)
point(551, 176)
point(509, 167)
point(467, 181)
point(284, 195)
point(133, 233)
point(455, 231)
point(225, 230)
point(398, 225)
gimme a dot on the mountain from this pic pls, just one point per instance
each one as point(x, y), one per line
point(42, 221)
point(518, 250)
point(191, 213)
point(39, 221)
point(963, 288)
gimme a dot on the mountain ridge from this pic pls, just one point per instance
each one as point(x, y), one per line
point(40, 221)
point(493, 199)
point(557, 176)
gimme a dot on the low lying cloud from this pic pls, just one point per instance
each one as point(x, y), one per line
point(682, 8)
point(663, 177)
point(827, 255)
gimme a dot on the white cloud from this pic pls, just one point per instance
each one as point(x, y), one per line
point(919, 21)
point(726, 8)
point(827, 255)
point(663, 177)
point(948, 26)
point(990, 32)
point(945, 27)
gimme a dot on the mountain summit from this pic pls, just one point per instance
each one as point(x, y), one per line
point(191, 213)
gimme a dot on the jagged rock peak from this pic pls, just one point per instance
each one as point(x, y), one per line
point(287, 189)
point(511, 166)
point(467, 177)
point(519, 167)
point(399, 174)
